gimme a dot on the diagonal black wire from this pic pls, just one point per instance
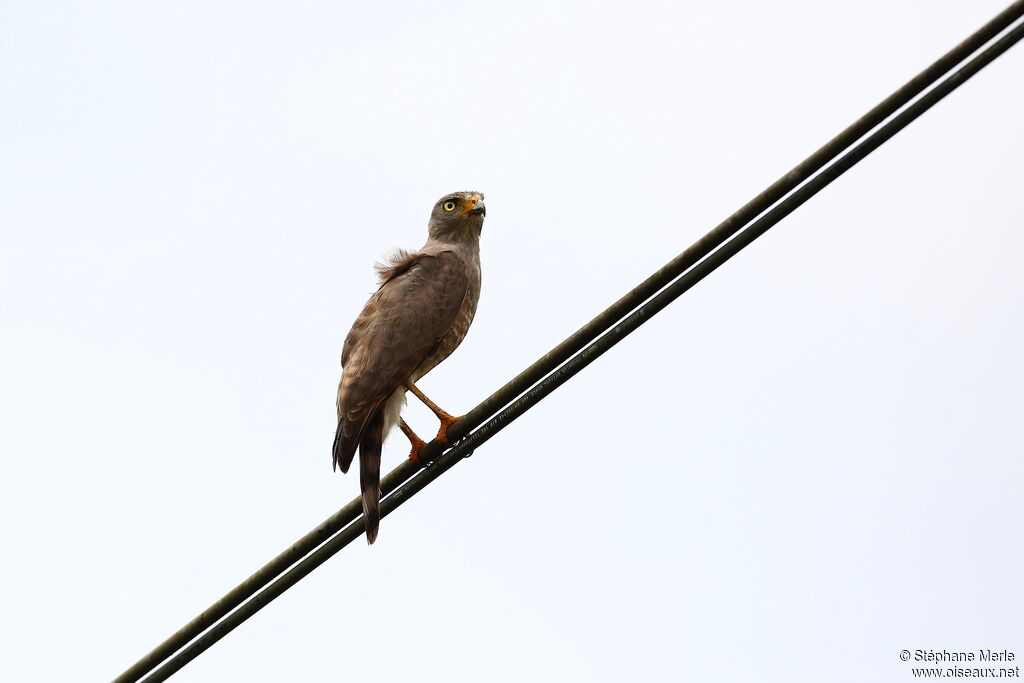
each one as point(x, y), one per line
point(553, 359)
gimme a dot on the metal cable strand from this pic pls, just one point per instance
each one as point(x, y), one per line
point(350, 513)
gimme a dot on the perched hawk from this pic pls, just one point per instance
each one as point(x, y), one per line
point(418, 316)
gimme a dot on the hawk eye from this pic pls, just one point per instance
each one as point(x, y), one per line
point(449, 206)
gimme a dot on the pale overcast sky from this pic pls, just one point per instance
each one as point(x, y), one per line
point(808, 463)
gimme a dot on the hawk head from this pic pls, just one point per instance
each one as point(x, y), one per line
point(458, 216)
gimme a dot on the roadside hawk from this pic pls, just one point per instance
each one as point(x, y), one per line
point(416, 318)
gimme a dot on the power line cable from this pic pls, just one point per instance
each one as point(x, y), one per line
point(467, 442)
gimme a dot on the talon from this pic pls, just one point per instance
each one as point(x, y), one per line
point(416, 442)
point(414, 454)
point(446, 422)
point(446, 419)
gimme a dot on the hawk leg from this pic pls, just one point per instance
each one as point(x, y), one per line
point(446, 419)
point(417, 442)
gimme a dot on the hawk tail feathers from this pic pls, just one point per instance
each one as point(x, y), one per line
point(370, 445)
point(344, 447)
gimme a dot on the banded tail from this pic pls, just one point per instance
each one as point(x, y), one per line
point(370, 445)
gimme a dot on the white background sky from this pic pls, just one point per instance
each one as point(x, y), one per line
point(808, 463)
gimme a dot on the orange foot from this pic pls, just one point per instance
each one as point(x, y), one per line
point(446, 422)
point(417, 442)
point(446, 419)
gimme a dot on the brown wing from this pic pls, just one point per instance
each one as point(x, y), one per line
point(399, 327)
